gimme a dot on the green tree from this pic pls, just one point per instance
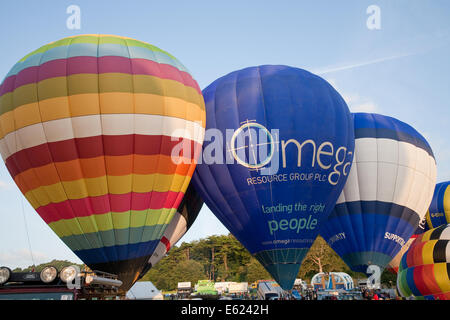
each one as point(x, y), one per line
point(166, 276)
point(321, 258)
point(255, 271)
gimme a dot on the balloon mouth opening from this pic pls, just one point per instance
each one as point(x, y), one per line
point(282, 264)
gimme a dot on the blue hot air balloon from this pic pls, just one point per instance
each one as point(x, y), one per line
point(279, 146)
point(387, 193)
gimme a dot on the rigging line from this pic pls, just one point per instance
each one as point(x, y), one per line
point(26, 229)
point(21, 199)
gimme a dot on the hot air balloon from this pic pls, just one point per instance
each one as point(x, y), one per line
point(88, 129)
point(424, 271)
point(394, 264)
point(276, 155)
point(439, 211)
point(184, 218)
point(387, 193)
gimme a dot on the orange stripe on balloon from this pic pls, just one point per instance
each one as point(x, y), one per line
point(95, 167)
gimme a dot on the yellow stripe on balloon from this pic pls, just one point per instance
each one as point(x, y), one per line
point(31, 199)
point(111, 220)
point(441, 276)
point(60, 228)
point(7, 123)
point(446, 203)
point(427, 252)
point(426, 236)
point(164, 217)
point(144, 183)
point(94, 187)
point(26, 115)
point(44, 195)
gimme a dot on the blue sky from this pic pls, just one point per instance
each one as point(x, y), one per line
point(401, 70)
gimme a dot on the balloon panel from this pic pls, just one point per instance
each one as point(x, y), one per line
point(387, 192)
point(424, 271)
point(287, 145)
point(87, 128)
point(439, 211)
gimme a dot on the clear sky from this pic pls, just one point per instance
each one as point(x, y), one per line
point(401, 69)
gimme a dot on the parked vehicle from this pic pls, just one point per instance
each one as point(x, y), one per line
point(50, 284)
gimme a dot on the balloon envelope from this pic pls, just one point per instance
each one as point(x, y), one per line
point(280, 144)
point(87, 129)
point(386, 195)
point(424, 271)
point(439, 211)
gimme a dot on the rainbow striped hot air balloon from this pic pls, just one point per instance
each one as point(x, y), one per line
point(89, 130)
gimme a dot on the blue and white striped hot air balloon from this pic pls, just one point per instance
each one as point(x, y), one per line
point(387, 193)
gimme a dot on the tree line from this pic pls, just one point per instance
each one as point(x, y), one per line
point(223, 258)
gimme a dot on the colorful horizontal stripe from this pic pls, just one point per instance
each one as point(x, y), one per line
point(95, 187)
point(111, 125)
point(92, 147)
point(95, 65)
point(93, 205)
point(101, 135)
point(100, 105)
point(97, 167)
point(111, 220)
point(113, 237)
point(97, 45)
point(117, 252)
point(97, 84)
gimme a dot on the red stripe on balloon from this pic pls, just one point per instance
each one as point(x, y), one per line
point(94, 65)
point(417, 257)
point(85, 207)
point(424, 279)
point(96, 146)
